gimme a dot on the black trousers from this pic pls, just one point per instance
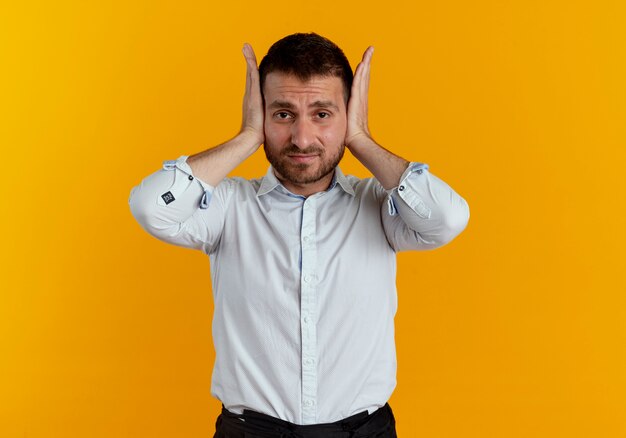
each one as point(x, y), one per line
point(379, 424)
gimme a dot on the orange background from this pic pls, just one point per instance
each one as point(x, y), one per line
point(515, 329)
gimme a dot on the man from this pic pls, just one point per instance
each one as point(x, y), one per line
point(302, 260)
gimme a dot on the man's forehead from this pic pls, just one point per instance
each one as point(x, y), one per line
point(279, 82)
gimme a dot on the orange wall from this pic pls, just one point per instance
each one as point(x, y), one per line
point(516, 329)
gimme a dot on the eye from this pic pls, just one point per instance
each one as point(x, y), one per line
point(323, 115)
point(282, 115)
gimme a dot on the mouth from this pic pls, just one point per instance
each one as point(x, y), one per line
point(303, 158)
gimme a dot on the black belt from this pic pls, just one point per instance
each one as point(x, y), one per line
point(251, 424)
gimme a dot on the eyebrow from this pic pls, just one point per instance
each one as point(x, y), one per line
point(281, 104)
point(317, 104)
point(324, 104)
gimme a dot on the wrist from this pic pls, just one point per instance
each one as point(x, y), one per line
point(360, 141)
point(251, 138)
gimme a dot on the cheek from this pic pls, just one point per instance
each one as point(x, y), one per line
point(274, 135)
point(275, 129)
point(335, 134)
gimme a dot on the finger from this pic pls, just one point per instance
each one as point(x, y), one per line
point(252, 71)
point(248, 52)
point(367, 55)
point(367, 60)
point(361, 75)
point(362, 70)
point(358, 78)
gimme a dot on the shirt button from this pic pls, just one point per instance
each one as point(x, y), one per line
point(307, 278)
point(305, 238)
point(401, 188)
point(190, 177)
point(308, 402)
point(306, 319)
point(309, 361)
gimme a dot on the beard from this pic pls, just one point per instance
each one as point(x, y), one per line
point(304, 173)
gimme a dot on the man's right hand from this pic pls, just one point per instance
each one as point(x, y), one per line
point(214, 164)
point(253, 111)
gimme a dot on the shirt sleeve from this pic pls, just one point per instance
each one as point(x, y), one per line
point(176, 207)
point(422, 212)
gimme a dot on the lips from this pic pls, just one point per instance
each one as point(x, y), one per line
point(303, 158)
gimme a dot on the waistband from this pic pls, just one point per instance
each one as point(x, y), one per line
point(256, 424)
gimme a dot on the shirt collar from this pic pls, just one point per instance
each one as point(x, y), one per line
point(343, 182)
point(269, 182)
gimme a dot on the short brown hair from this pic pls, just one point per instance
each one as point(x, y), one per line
point(305, 55)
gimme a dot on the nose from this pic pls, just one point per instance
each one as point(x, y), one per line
point(302, 133)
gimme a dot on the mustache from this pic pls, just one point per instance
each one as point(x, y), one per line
point(295, 150)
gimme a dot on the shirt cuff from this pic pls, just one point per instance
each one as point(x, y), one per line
point(404, 191)
point(181, 164)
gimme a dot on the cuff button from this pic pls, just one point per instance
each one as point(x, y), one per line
point(401, 188)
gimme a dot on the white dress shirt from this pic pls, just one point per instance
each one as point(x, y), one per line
point(304, 288)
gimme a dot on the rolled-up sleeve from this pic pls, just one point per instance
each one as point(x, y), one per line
point(423, 212)
point(176, 207)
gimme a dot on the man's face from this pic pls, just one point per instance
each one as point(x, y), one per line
point(305, 126)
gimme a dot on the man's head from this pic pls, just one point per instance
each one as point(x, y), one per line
point(305, 80)
point(305, 55)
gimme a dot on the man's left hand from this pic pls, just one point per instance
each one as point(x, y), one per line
point(357, 130)
point(386, 166)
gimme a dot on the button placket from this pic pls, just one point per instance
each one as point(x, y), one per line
point(308, 311)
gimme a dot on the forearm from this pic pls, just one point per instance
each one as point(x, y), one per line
point(214, 164)
point(428, 207)
point(165, 201)
point(173, 206)
point(386, 167)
